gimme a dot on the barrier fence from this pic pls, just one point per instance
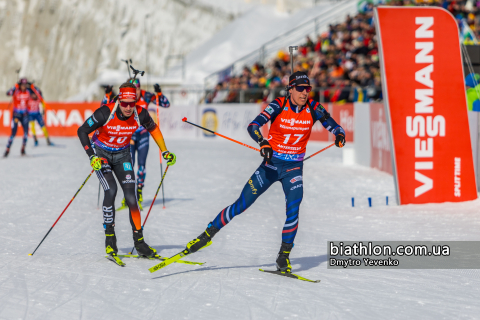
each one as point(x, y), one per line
point(364, 123)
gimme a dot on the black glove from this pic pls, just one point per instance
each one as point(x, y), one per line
point(266, 150)
point(108, 89)
point(157, 88)
point(340, 140)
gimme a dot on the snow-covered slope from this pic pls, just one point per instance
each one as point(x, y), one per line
point(70, 47)
point(253, 29)
point(69, 278)
point(66, 44)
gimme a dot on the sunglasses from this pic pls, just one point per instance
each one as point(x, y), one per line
point(301, 88)
point(136, 82)
point(127, 104)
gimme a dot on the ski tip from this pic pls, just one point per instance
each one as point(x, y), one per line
point(184, 119)
point(30, 254)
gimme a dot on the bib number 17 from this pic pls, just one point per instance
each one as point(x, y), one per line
point(287, 137)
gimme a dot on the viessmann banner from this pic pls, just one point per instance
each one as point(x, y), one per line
point(425, 104)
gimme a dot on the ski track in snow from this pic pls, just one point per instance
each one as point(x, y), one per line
point(69, 278)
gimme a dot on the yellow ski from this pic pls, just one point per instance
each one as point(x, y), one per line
point(168, 261)
point(289, 275)
point(160, 258)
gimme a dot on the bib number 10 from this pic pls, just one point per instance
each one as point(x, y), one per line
point(120, 140)
point(287, 137)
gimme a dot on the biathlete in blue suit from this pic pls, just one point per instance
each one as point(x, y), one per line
point(291, 120)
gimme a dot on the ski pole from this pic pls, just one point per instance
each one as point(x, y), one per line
point(98, 200)
point(151, 205)
point(220, 135)
point(31, 254)
point(312, 155)
point(246, 145)
point(160, 151)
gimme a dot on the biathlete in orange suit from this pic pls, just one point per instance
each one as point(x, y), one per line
point(140, 140)
point(20, 96)
point(114, 124)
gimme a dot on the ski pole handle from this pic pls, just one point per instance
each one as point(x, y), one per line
point(220, 135)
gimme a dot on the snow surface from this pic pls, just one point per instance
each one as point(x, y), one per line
point(69, 278)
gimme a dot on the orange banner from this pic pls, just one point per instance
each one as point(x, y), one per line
point(424, 88)
point(61, 118)
point(344, 116)
point(379, 139)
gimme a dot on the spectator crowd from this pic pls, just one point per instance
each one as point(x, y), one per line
point(342, 63)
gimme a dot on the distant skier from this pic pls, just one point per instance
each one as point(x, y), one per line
point(140, 140)
point(20, 96)
point(291, 120)
point(34, 114)
point(114, 124)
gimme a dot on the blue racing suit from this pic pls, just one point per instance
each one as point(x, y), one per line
point(288, 172)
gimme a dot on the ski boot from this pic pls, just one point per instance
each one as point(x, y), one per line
point(23, 150)
point(140, 198)
point(283, 260)
point(203, 240)
point(143, 249)
point(123, 206)
point(35, 141)
point(6, 153)
point(110, 240)
point(139, 194)
point(49, 143)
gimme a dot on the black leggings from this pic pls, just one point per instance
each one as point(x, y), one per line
point(119, 163)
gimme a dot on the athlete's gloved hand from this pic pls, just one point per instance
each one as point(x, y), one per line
point(108, 89)
point(96, 163)
point(266, 150)
point(170, 157)
point(157, 88)
point(340, 140)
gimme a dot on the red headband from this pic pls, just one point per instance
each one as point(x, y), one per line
point(128, 93)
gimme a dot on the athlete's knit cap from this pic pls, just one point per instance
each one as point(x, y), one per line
point(298, 78)
point(127, 93)
point(23, 81)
